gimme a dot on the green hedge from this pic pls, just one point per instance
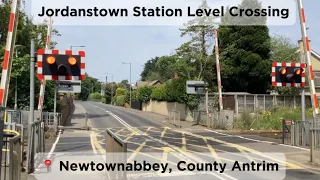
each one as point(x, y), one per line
point(94, 96)
point(159, 93)
point(171, 91)
point(144, 93)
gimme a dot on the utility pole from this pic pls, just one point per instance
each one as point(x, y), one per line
point(55, 108)
point(218, 69)
point(207, 98)
point(31, 105)
point(130, 85)
point(16, 95)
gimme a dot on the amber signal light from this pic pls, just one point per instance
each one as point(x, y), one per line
point(51, 60)
point(72, 61)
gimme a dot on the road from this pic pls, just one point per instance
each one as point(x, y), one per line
point(146, 136)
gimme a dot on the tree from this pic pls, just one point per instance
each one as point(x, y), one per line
point(26, 30)
point(196, 50)
point(88, 86)
point(149, 68)
point(282, 50)
point(245, 55)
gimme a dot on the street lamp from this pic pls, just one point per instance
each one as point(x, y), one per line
point(111, 85)
point(75, 46)
point(16, 83)
point(130, 79)
point(16, 51)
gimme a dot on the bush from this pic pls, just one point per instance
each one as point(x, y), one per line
point(144, 93)
point(94, 96)
point(159, 93)
point(267, 120)
point(120, 100)
point(103, 100)
point(120, 91)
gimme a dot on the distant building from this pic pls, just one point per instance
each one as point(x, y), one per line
point(140, 84)
point(315, 61)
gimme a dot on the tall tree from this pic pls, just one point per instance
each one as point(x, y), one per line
point(245, 54)
point(149, 68)
point(196, 50)
point(282, 50)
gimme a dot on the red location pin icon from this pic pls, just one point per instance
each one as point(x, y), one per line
point(47, 162)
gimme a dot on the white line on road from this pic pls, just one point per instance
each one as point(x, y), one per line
point(255, 140)
point(160, 141)
point(54, 145)
point(51, 150)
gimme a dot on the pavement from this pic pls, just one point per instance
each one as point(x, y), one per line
point(149, 135)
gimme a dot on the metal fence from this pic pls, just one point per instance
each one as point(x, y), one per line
point(315, 142)
point(304, 134)
point(18, 129)
point(13, 116)
point(116, 152)
point(174, 118)
point(241, 102)
point(36, 144)
point(51, 124)
point(214, 119)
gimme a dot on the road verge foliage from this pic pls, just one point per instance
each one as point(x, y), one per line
point(268, 120)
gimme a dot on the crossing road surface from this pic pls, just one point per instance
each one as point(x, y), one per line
point(148, 137)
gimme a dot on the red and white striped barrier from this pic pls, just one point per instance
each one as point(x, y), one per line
point(307, 50)
point(43, 82)
point(8, 54)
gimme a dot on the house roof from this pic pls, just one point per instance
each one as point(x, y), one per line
point(153, 82)
point(146, 83)
point(314, 53)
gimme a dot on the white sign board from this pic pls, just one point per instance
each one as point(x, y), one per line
point(69, 87)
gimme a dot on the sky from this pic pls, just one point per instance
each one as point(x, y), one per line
point(107, 47)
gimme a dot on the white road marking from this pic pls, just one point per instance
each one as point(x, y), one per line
point(255, 140)
point(51, 150)
point(54, 145)
point(163, 142)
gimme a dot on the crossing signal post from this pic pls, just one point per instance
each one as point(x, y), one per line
point(288, 74)
point(61, 65)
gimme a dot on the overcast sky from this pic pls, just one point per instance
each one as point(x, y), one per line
point(108, 46)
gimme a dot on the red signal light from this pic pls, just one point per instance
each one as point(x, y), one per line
point(283, 71)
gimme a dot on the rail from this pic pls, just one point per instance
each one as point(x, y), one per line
point(36, 145)
point(16, 129)
point(50, 122)
point(11, 167)
point(174, 118)
point(116, 152)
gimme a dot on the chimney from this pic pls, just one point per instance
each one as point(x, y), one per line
point(300, 44)
point(176, 76)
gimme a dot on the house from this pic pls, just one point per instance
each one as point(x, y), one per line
point(140, 84)
point(315, 62)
